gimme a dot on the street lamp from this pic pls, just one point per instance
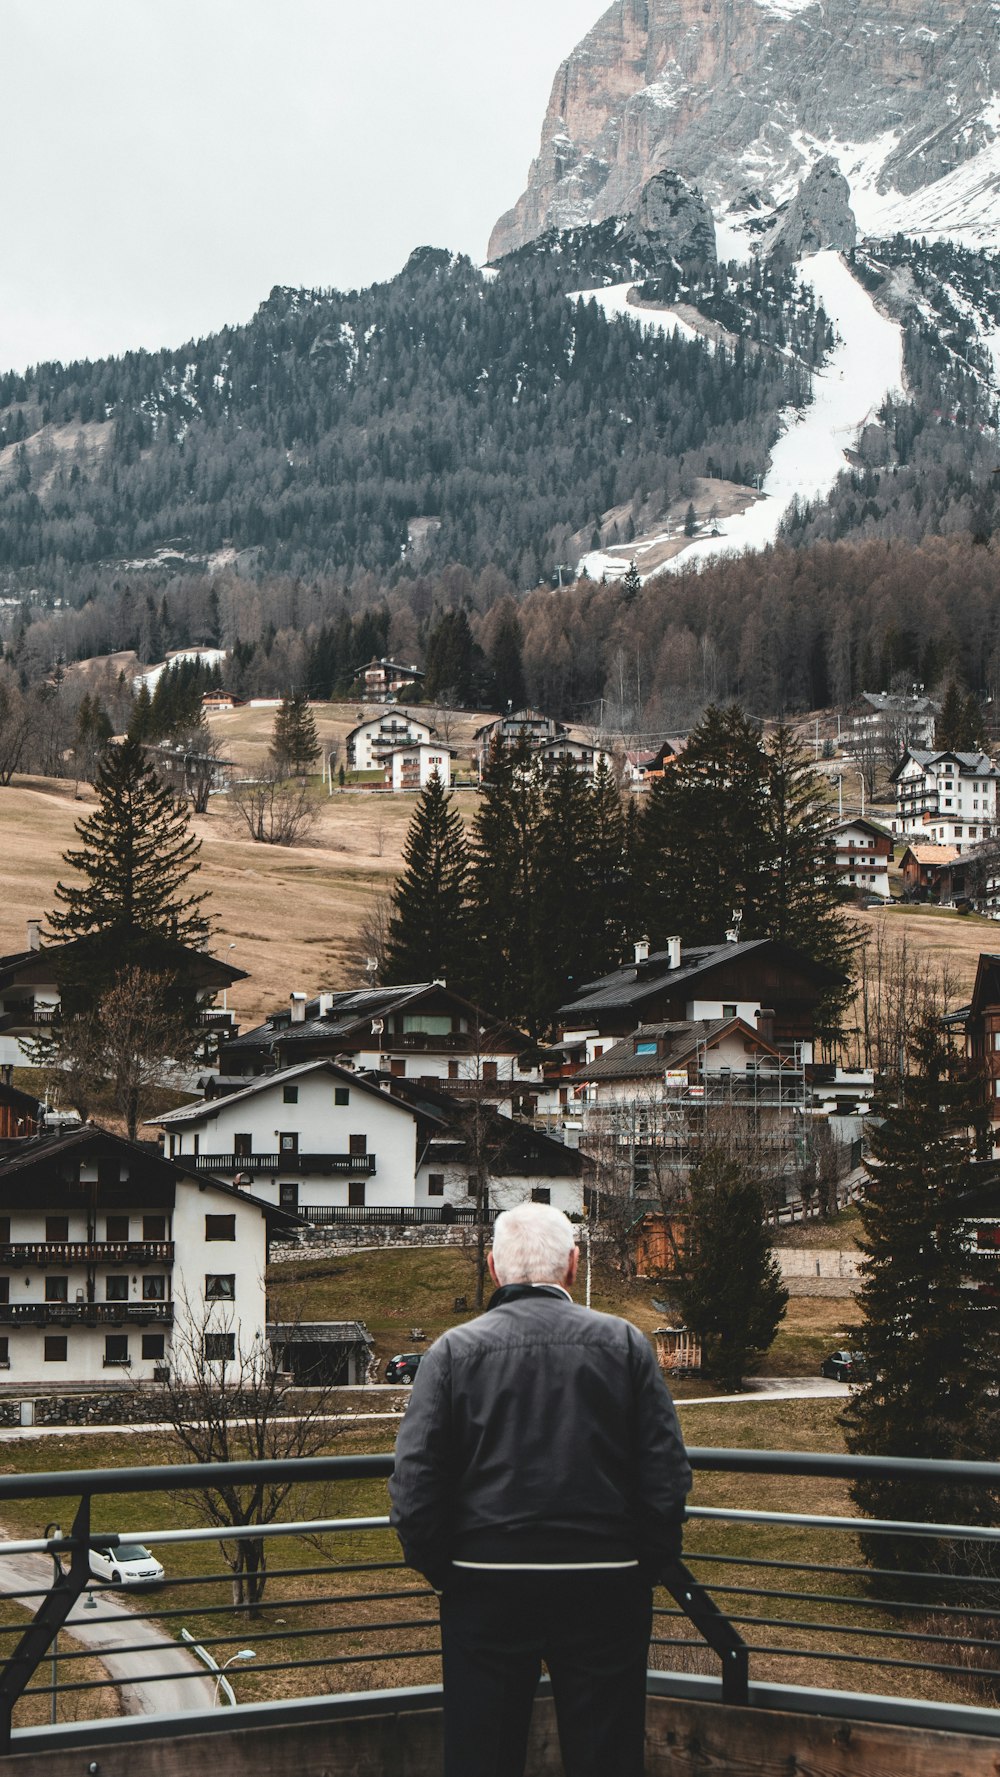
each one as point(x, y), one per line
point(245, 1653)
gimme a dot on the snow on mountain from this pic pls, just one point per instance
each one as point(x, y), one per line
point(613, 299)
point(865, 366)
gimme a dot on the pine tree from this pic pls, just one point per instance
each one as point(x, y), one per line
point(701, 847)
point(294, 740)
point(803, 900)
point(949, 725)
point(631, 584)
point(505, 662)
point(727, 1281)
point(429, 927)
point(564, 910)
point(930, 1338)
point(503, 884)
point(137, 858)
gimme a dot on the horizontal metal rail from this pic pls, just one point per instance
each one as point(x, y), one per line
point(338, 1619)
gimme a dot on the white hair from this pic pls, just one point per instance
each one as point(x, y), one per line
point(532, 1244)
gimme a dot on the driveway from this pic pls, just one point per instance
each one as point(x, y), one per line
point(113, 1626)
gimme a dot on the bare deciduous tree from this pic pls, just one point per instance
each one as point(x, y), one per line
point(115, 1056)
point(272, 810)
point(239, 1409)
point(373, 935)
point(896, 989)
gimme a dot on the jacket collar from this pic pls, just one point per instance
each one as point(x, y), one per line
point(513, 1292)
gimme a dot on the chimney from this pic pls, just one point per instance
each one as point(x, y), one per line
point(34, 934)
point(325, 1004)
point(641, 948)
point(298, 1006)
point(673, 948)
point(765, 1024)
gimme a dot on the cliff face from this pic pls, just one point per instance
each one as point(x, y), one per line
point(744, 96)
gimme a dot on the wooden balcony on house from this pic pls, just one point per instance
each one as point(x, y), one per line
point(86, 1314)
point(335, 1165)
point(86, 1252)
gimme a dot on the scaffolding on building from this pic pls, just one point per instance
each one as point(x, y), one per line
point(659, 1126)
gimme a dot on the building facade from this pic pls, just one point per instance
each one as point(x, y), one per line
point(946, 798)
point(116, 1266)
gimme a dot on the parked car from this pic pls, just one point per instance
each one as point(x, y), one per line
point(844, 1366)
point(129, 1565)
point(404, 1367)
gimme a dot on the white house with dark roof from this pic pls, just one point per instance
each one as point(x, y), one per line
point(946, 798)
point(316, 1136)
point(411, 768)
point(759, 978)
point(419, 1030)
point(116, 1264)
point(371, 741)
point(862, 855)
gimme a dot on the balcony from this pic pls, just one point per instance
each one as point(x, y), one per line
point(86, 1314)
point(762, 1665)
point(335, 1165)
point(87, 1252)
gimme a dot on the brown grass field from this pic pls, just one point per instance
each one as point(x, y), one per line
point(294, 914)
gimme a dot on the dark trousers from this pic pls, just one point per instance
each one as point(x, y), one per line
point(591, 1629)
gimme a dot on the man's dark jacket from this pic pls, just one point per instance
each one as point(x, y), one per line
point(540, 1433)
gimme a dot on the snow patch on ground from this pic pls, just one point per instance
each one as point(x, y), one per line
point(865, 366)
point(786, 9)
point(614, 300)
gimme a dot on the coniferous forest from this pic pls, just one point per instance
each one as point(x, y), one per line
point(411, 468)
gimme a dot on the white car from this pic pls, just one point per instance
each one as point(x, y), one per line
point(129, 1565)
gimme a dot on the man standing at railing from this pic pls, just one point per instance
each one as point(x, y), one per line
point(540, 1484)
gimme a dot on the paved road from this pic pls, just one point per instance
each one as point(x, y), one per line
point(774, 1388)
point(112, 1626)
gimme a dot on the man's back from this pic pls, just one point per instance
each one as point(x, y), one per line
point(540, 1483)
point(541, 1432)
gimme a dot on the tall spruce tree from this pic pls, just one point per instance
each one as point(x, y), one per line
point(565, 912)
point(430, 923)
point(727, 1280)
point(136, 860)
point(503, 884)
point(505, 662)
point(294, 740)
point(802, 900)
point(701, 848)
point(930, 1336)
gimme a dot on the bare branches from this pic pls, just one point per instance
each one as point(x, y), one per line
point(227, 1402)
point(272, 810)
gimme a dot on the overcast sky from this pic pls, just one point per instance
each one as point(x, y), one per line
point(168, 161)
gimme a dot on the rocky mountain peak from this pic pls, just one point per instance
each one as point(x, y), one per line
point(743, 97)
point(818, 216)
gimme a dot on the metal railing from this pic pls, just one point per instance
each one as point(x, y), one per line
point(358, 1215)
point(97, 1314)
point(781, 1607)
point(86, 1252)
point(357, 1165)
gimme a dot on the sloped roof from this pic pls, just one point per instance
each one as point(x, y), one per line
point(685, 1037)
point(209, 1109)
point(969, 764)
point(931, 854)
point(635, 982)
point(41, 1150)
point(354, 1007)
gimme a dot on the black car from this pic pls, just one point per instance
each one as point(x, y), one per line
point(404, 1367)
point(844, 1366)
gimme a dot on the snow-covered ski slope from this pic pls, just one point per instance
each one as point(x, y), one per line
point(865, 366)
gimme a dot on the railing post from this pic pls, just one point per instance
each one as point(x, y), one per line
point(49, 1618)
point(716, 1629)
